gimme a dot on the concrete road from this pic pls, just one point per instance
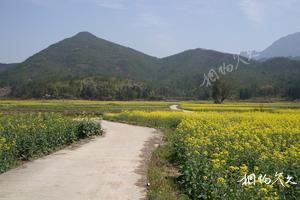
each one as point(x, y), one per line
point(110, 167)
point(175, 107)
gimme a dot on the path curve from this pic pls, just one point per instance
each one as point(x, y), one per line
point(108, 167)
point(175, 107)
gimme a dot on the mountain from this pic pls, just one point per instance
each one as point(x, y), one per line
point(4, 67)
point(186, 71)
point(84, 55)
point(252, 54)
point(192, 62)
point(297, 58)
point(288, 46)
point(85, 66)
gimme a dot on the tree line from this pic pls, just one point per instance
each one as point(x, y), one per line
point(102, 88)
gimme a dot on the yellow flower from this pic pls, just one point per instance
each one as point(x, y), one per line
point(233, 168)
point(216, 163)
point(263, 190)
point(221, 180)
point(225, 140)
point(243, 169)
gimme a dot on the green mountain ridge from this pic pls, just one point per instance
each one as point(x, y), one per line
point(86, 61)
point(4, 66)
point(83, 55)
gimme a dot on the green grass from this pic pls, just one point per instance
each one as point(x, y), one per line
point(162, 175)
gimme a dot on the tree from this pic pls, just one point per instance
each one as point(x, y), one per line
point(266, 90)
point(220, 90)
point(202, 93)
point(245, 93)
point(293, 91)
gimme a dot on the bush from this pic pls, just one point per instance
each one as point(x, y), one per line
point(87, 129)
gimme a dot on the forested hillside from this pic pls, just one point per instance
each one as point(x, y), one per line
point(85, 66)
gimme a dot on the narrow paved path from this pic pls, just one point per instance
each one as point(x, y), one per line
point(107, 168)
point(175, 107)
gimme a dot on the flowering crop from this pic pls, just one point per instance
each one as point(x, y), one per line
point(75, 107)
point(23, 136)
point(215, 150)
point(162, 119)
point(242, 107)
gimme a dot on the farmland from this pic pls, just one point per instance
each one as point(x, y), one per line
point(32, 128)
point(230, 151)
point(27, 136)
point(75, 107)
point(213, 150)
point(240, 107)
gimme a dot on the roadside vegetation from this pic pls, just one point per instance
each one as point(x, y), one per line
point(27, 136)
point(162, 173)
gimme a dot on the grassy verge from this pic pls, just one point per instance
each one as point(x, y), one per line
point(162, 174)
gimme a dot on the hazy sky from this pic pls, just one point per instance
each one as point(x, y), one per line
point(156, 27)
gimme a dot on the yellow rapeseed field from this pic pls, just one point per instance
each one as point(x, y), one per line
point(225, 147)
point(25, 136)
point(232, 155)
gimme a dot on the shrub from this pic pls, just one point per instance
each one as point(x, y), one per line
point(88, 128)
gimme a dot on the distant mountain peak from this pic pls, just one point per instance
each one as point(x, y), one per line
point(297, 34)
point(85, 54)
point(84, 33)
point(287, 46)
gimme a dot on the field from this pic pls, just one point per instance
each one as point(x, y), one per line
point(75, 107)
point(229, 151)
point(26, 136)
point(219, 145)
point(240, 107)
point(32, 128)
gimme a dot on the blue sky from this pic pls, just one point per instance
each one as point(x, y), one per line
point(156, 27)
